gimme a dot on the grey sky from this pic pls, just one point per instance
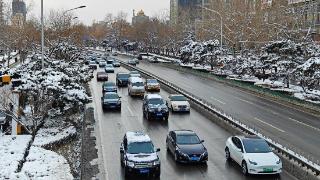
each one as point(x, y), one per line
point(97, 9)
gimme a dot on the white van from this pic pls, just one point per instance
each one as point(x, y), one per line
point(136, 86)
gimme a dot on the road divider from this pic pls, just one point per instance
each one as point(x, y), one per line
point(294, 163)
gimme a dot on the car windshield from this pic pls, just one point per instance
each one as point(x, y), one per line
point(109, 84)
point(138, 84)
point(178, 98)
point(256, 146)
point(109, 66)
point(188, 139)
point(123, 75)
point(111, 96)
point(140, 147)
point(102, 73)
point(152, 81)
point(155, 101)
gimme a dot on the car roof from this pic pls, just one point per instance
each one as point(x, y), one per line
point(135, 79)
point(153, 96)
point(249, 137)
point(176, 95)
point(184, 132)
point(137, 136)
point(134, 72)
point(123, 73)
point(101, 72)
point(111, 93)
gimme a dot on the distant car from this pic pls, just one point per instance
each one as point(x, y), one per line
point(138, 156)
point(109, 68)
point(102, 76)
point(111, 100)
point(3, 117)
point(178, 103)
point(136, 86)
point(102, 63)
point(116, 64)
point(153, 59)
point(132, 62)
point(98, 60)
point(134, 74)
point(186, 147)
point(154, 107)
point(93, 65)
point(109, 87)
point(114, 54)
point(122, 79)
point(152, 85)
point(136, 60)
point(253, 154)
point(139, 57)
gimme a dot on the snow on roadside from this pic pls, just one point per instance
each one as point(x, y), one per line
point(50, 136)
point(43, 164)
point(12, 151)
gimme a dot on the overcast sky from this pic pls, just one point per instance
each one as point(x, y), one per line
point(97, 9)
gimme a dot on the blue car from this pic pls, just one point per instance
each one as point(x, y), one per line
point(109, 87)
point(122, 79)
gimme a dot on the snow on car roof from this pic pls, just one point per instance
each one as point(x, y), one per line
point(153, 96)
point(137, 137)
point(135, 79)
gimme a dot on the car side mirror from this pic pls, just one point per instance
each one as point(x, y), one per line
point(158, 149)
point(202, 141)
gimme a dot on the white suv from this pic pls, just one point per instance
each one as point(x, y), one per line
point(136, 86)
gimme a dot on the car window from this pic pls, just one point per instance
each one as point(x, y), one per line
point(123, 75)
point(236, 142)
point(188, 139)
point(140, 147)
point(152, 81)
point(178, 98)
point(155, 101)
point(111, 96)
point(256, 146)
point(137, 84)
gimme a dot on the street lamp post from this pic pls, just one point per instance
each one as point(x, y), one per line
point(42, 31)
point(221, 23)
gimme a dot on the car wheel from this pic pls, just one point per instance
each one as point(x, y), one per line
point(176, 157)
point(244, 168)
point(228, 157)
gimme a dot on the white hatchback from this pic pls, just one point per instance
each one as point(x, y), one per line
point(253, 154)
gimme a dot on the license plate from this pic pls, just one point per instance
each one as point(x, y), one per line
point(112, 106)
point(159, 114)
point(267, 169)
point(194, 159)
point(143, 171)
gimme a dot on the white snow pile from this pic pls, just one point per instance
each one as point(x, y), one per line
point(12, 152)
point(43, 164)
point(49, 136)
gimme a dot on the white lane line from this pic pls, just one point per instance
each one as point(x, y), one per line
point(273, 112)
point(130, 111)
point(269, 125)
point(245, 101)
point(307, 125)
point(218, 100)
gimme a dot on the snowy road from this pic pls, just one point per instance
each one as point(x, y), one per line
point(292, 127)
point(113, 125)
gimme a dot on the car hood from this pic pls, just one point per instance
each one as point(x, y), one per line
point(192, 149)
point(142, 157)
point(180, 103)
point(110, 100)
point(262, 158)
point(153, 84)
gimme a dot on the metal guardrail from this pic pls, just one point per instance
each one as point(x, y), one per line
point(302, 161)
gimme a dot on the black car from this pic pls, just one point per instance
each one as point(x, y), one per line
point(109, 87)
point(102, 76)
point(154, 107)
point(111, 100)
point(138, 155)
point(122, 79)
point(186, 147)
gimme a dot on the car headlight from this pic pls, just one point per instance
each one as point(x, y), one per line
point(156, 162)
point(252, 162)
point(130, 164)
point(279, 161)
point(204, 154)
point(181, 153)
point(151, 110)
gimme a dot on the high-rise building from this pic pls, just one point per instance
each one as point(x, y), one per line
point(1, 13)
point(185, 10)
point(19, 11)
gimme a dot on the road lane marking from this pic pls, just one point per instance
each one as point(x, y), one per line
point(130, 110)
point(273, 112)
point(218, 100)
point(269, 125)
point(245, 101)
point(307, 125)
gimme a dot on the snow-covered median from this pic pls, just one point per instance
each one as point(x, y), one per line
point(49, 136)
point(12, 152)
point(45, 164)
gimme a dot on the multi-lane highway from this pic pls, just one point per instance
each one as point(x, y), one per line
point(113, 125)
point(291, 127)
